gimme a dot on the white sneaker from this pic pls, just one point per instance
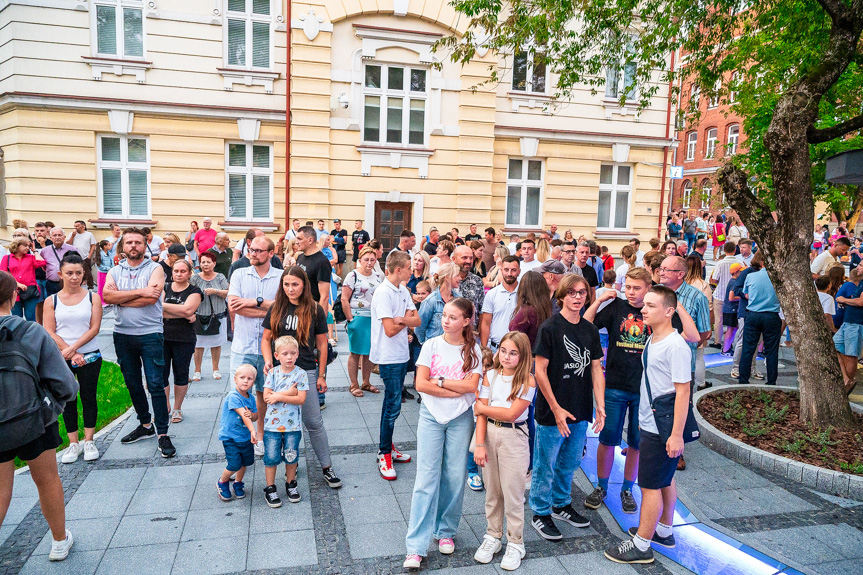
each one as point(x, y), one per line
point(60, 549)
point(385, 466)
point(259, 449)
point(489, 546)
point(91, 452)
point(512, 558)
point(71, 454)
point(446, 546)
point(735, 373)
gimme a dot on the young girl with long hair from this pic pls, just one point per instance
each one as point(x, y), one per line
point(533, 305)
point(448, 372)
point(502, 447)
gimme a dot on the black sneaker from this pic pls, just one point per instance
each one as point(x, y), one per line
point(627, 552)
point(139, 433)
point(271, 496)
point(664, 541)
point(293, 491)
point(570, 515)
point(595, 499)
point(407, 394)
point(166, 447)
point(330, 477)
point(627, 502)
point(546, 528)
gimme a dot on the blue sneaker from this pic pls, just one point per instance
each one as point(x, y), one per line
point(474, 481)
point(224, 491)
point(239, 489)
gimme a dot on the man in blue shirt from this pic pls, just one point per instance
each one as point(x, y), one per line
point(757, 263)
point(762, 320)
point(849, 338)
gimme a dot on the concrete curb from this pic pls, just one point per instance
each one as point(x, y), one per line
point(824, 480)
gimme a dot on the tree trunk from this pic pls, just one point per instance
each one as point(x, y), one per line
point(856, 207)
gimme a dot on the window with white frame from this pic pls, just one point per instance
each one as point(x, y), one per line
point(691, 143)
point(615, 190)
point(733, 92)
point(523, 193)
point(528, 72)
point(687, 194)
point(714, 98)
point(394, 110)
point(124, 177)
point(695, 96)
point(247, 34)
point(710, 146)
point(119, 28)
point(733, 139)
point(706, 191)
point(250, 182)
point(620, 78)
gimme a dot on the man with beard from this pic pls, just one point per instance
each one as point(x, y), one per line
point(499, 305)
point(471, 285)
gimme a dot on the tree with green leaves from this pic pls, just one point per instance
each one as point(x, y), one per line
point(797, 82)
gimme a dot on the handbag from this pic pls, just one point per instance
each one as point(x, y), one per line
point(663, 411)
point(338, 313)
point(208, 324)
point(472, 447)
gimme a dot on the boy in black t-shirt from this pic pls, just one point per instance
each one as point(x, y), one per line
point(569, 375)
point(359, 238)
point(340, 240)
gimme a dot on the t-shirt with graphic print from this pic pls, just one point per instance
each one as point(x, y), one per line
point(570, 348)
point(445, 361)
point(282, 416)
point(362, 288)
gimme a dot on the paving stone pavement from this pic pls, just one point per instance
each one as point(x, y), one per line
point(135, 512)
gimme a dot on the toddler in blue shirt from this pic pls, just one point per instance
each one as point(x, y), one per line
point(237, 432)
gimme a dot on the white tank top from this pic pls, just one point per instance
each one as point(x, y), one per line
point(73, 321)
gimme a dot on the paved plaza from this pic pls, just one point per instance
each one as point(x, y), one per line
point(135, 512)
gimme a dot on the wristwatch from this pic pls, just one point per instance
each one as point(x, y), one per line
point(440, 382)
point(260, 300)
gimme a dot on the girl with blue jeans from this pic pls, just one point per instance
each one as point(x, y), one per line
point(448, 372)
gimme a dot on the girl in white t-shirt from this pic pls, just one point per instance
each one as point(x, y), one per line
point(502, 447)
point(448, 372)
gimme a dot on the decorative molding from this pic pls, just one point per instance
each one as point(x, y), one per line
point(612, 106)
point(279, 17)
point(312, 24)
point(620, 153)
point(249, 129)
point(375, 37)
point(581, 137)
point(614, 234)
point(528, 100)
point(121, 121)
point(217, 9)
point(395, 158)
point(529, 147)
point(243, 226)
point(118, 67)
point(400, 7)
point(418, 200)
point(234, 76)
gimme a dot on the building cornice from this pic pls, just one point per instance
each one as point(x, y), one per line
point(582, 137)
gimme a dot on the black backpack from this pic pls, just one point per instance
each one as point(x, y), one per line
point(24, 406)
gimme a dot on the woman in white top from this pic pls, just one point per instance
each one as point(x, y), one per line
point(357, 290)
point(502, 448)
point(72, 318)
point(448, 372)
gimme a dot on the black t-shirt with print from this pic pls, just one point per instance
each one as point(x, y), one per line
point(359, 238)
point(175, 328)
point(343, 234)
point(318, 268)
point(627, 336)
point(589, 275)
point(288, 326)
point(472, 238)
point(570, 348)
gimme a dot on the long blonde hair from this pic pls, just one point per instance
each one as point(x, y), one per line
point(543, 250)
point(494, 273)
point(427, 264)
point(444, 275)
point(521, 379)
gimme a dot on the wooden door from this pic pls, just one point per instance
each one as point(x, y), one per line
point(391, 218)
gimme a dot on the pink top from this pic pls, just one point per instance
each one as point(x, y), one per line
point(206, 239)
point(22, 269)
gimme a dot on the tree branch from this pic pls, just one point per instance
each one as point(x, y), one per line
point(757, 215)
point(819, 136)
point(832, 7)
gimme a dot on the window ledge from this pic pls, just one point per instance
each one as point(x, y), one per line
point(524, 99)
point(395, 158)
point(242, 226)
point(612, 106)
point(523, 230)
point(105, 223)
point(118, 66)
point(245, 77)
point(615, 234)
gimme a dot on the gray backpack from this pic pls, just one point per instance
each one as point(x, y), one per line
point(24, 406)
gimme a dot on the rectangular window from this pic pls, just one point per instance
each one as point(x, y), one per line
point(695, 96)
point(528, 73)
point(615, 189)
point(714, 98)
point(687, 193)
point(119, 28)
point(691, 142)
point(620, 78)
point(124, 177)
point(523, 193)
point(250, 182)
point(395, 100)
point(733, 139)
point(247, 41)
point(710, 148)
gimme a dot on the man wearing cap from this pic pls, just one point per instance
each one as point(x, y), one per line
point(340, 241)
point(430, 246)
point(175, 252)
point(552, 271)
point(719, 280)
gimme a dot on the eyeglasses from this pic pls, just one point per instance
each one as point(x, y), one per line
point(670, 270)
point(256, 251)
point(569, 251)
point(576, 293)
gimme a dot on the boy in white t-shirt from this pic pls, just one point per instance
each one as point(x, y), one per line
point(828, 304)
point(667, 364)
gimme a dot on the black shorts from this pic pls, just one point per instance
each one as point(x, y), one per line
point(342, 255)
point(50, 440)
point(655, 468)
point(729, 319)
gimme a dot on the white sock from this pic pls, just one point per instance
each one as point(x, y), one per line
point(662, 529)
point(641, 543)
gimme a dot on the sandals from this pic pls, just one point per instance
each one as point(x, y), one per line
point(176, 415)
point(217, 375)
point(355, 390)
point(850, 390)
point(370, 388)
point(196, 376)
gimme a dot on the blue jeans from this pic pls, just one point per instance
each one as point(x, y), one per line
point(29, 309)
point(617, 402)
point(393, 375)
point(133, 351)
point(556, 459)
point(690, 242)
point(436, 503)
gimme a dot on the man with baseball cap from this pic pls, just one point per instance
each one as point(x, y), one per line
point(552, 271)
point(175, 252)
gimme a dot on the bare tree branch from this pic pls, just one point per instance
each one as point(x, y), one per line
point(819, 136)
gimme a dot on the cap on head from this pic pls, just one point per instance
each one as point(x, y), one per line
point(177, 250)
point(552, 267)
point(736, 268)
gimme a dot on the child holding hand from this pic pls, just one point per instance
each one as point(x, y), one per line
point(237, 432)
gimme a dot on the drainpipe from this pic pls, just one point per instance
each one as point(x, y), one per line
point(660, 224)
point(288, 125)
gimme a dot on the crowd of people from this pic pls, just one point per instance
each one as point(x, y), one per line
point(515, 350)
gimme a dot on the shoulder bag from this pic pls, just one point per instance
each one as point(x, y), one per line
point(207, 324)
point(472, 447)
point(663, 411)
point(28, 293)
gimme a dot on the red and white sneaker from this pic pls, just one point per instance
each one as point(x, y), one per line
point(385, 466)
point(399, 457)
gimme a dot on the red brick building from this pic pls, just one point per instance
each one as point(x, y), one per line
point(703, 144)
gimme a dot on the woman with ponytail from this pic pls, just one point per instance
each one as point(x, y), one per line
point(445, 283)
point(448, 373)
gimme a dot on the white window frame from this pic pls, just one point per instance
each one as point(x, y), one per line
point(733, 94)
point(249, 18)
point(118, 6)
point(733, 140)
point(384, 93)
point(686, 194)
point(706, 191)
point(614, 187)
point(530, 53)
point(714, 100)
point(525, 183)
point(124, 166)
point(711, 137)
point(691, 145)
point(695, 96)
point(248, 170)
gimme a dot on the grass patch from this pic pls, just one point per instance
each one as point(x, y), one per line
point(113, 400)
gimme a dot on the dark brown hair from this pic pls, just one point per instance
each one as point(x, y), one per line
point(8, 287)
point(307, 307)
point(533, 293)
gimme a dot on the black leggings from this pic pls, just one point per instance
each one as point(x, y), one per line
point(179, 355)
point(88, 381)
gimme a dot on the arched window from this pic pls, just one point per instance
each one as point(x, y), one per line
point(710, 146)
point(691, 142)
point(687, 194)
point(706, 191)
point(733, 139)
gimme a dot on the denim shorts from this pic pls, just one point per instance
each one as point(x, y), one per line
point(239, 454)
point(281, 446)
point(849, 339)
point(616, 404)
point(655, 468)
